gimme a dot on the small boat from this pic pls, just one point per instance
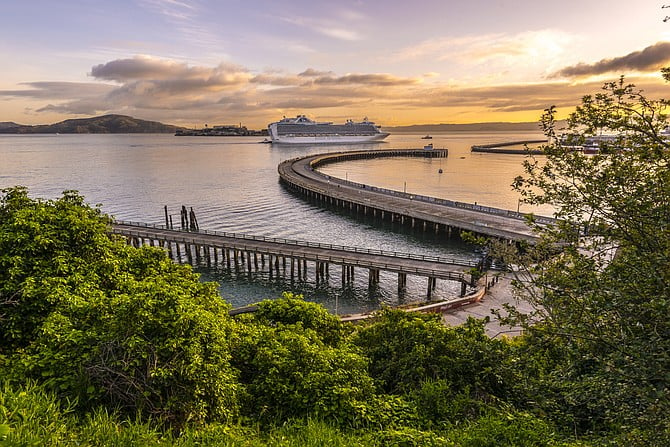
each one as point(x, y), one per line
point(427, 137)
point(428, 147)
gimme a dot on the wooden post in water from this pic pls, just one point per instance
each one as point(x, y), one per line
point(194, 221)
point(184, 218)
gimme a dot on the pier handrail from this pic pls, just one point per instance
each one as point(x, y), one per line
point(333, 157)
point(297, 243)
point(442, 202)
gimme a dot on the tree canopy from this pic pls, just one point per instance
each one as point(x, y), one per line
point(599, 279)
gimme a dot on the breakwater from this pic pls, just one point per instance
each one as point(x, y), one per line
point(508, 147)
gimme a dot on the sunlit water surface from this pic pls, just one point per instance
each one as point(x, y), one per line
point(232, 184)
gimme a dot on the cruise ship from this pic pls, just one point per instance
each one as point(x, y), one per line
point(301, 130)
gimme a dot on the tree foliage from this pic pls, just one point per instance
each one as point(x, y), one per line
point(600, 277)
point(103, 322)
point(294, 363)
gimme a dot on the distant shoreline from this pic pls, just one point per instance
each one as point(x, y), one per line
point(120, 124)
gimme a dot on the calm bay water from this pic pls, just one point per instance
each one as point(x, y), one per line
point(232, 184)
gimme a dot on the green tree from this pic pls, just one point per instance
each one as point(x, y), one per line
point(293, 363)
point(106, 323)
point(451, 374)
point(599, 278)
point(57, 239)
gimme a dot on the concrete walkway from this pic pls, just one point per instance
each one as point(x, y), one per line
point(501, 293)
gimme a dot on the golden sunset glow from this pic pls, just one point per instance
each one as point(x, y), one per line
point(444, 62)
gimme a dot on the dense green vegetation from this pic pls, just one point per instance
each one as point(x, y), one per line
point(105, 344)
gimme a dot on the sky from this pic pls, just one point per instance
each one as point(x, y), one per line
point(248, 62)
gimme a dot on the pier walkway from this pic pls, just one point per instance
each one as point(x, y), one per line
point(290, 258)
point(301, 175)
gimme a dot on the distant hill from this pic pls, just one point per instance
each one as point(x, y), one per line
point(475, 127)
point(99, 124)
point(8, 124)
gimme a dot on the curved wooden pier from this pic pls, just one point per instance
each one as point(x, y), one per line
point(300, 174)
point(289, 257)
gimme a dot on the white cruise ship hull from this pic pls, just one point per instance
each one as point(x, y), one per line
point(329, 139)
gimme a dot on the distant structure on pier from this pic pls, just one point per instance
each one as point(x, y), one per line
point(220, 131)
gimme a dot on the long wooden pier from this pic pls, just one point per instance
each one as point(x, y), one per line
point(430, 213)
point(290, 258)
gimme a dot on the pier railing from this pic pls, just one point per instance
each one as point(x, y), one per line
point(421, 198)
point(297, 243)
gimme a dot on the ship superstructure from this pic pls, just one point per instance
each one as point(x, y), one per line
point(300, 130)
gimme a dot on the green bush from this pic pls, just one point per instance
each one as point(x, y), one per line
point(292, 309)
point(104, 323)
point(407, 349)
point(289, 372)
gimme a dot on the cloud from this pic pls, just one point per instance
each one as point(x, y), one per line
point(276, 80)
point(59, 90)
point(149, 68)
point(650, 59)
point(310, 72)
point(315, 77)
point(377, 79)
point(175, 92)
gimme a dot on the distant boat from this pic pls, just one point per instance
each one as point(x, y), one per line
point(427, 137)
point(428, 147)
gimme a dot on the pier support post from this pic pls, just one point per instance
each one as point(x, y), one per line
point(189, 255)
point(402, 282)
point(431, 286)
